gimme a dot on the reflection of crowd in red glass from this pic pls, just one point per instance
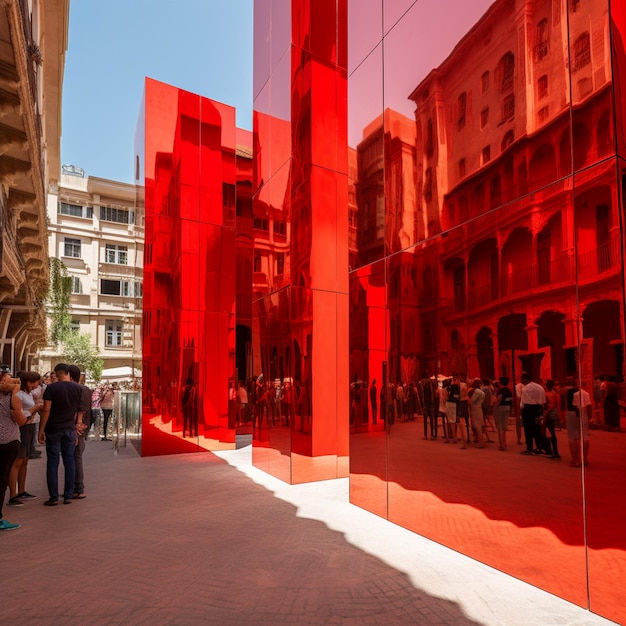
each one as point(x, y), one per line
point(275, 403)
point(481, 411)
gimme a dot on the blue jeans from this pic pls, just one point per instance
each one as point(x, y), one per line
point(60, 443)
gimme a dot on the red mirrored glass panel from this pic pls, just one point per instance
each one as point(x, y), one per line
point(365, 30)
point(300, 251)
point(598, 206)
point(365, 161)
point(591, 82)
point(497, 253)
point(368, 379)
point(189, 161)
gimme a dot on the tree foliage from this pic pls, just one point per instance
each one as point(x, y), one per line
point(59, 302)
point(77, 348)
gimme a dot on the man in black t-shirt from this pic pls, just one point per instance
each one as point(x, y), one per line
point(60, 420)
point(79, 449)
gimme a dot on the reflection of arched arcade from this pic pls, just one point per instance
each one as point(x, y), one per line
point(484, 351)
point(602, 326)
point(512, 338)
point(551, 338)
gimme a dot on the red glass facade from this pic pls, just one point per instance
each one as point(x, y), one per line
point(333, 301)
point(300, 279)
point(187, 160)
point(485, 150)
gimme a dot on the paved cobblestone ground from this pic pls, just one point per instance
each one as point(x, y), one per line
point(197, 539)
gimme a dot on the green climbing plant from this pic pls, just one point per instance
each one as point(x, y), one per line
point(73, 347)
point(59, 302)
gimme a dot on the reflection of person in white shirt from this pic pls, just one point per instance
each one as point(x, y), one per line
point(577, 419)
point(532, 402)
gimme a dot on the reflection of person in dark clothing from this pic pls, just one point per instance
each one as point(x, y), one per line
point(610, 403)
point(390, 406)
point(427, 395)
point(374, 401)
point(188, 401)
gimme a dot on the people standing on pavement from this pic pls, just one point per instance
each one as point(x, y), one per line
point(106, 405)
point(17, 477)
point(60, 421)
point(81, 435)
point(11, 418)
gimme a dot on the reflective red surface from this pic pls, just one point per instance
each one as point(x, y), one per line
point(186, 153)
point(300, 250)
point(485, 202)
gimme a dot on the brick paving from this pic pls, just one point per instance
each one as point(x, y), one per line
point(208, 539)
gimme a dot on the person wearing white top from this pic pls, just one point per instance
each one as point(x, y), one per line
point(532, 403)
point(17, 476)
point(37, 394)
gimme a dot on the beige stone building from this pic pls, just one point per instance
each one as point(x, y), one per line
point(96, 232)
point(33, 42)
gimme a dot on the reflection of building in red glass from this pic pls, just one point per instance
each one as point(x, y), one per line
point(300, 241)
point(503, 253)
point(490, 133)
point(478, 151)
point(385, 187)
point(244, 255)
point(353, 213)
point(187, 154)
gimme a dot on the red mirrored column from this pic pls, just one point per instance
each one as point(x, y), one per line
point(301, 246)
point(189, 305)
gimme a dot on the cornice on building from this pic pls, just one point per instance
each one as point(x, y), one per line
point(32, 63)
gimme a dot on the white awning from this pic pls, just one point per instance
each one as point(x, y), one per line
point(120, 373)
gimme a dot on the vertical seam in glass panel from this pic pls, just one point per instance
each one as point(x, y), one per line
point(577, 306)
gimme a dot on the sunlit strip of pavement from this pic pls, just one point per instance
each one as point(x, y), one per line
point(485, 595)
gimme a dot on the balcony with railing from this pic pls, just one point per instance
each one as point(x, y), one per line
point(521, 281)
point(595, 262)
point(545, 276)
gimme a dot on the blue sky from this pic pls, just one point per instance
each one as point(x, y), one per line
point(203, 46)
